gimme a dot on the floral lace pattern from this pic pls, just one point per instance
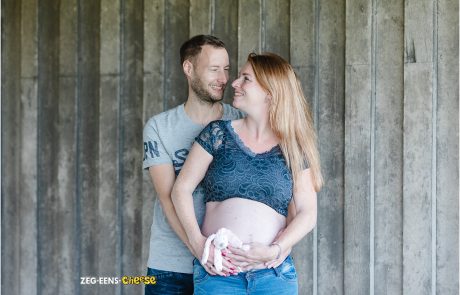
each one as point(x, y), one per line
point(236, 171)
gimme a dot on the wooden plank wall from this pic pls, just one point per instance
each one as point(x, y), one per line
point(80, 78)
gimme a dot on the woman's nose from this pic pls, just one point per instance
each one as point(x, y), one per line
point(236, 83)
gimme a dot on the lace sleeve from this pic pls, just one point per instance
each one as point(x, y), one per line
point(211, 137)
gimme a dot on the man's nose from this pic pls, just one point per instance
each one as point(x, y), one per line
point(223, 77)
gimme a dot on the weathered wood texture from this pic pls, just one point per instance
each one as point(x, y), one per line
point(109, 223)
point(446, 143)
point(388, 141)
point(130, 132)
point(28, 158)
point(67, 147)
point(11, 167)
point(80, 78)
point(302, 53)
point(419, 148)
point(88, 96)
point(50, 213)
point(358, 147)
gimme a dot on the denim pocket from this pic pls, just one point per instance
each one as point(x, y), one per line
point(159, 274)
point(287, 271)
point(199, 273)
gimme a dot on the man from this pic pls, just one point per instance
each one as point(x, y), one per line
point(167, 139)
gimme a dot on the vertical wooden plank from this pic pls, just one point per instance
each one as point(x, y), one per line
point(330, 116)
point(225, 26)
point(153, 103)
point(50, 227)
point(302, 44)
point(302, 53)
point(418, 145)
point(357, 147)
point(249, 29)
point(130, 153)
point(11, 138)
point(447, 190)
point(88, 101)
point(389, 146)
point(109, 246)
point(201, 17)
point(357, 163)
point(68, 246)
point(417, 179)
point(177, 21)
point(275, 27)
point(28, 155)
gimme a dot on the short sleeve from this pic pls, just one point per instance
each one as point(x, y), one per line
point(154, 150)
point(211, 137)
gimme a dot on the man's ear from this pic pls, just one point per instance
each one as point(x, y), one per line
point(188, 68)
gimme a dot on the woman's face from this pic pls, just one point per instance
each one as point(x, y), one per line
point(249, 96)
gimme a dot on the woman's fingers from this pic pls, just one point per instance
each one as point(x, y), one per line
point(209, 269)
point(236, 255)
point(213, 270)
point(240, 260)
point(274, 263)
point(228, 268)
point(236, 251)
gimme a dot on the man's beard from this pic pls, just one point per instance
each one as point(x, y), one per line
point(203, 94)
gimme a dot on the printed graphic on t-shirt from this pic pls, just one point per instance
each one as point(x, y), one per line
point(151, 148)
point(178, 157)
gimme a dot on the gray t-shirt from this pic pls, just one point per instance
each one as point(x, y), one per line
point(168, 138)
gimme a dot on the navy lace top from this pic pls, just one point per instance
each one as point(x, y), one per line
point(236, 171)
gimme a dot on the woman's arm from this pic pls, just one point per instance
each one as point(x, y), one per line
point(306, 212)
point(192, 173)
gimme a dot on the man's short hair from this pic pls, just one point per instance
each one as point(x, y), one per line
point(191, 48)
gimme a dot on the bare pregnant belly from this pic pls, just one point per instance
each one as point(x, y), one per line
point(250, 220)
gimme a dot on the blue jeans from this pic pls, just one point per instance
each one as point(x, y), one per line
point(168, 282)
point(280, 280)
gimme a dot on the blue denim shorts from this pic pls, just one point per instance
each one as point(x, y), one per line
point(279, 280)
point(168, 282)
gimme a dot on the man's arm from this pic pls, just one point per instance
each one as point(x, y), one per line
point(163, 178)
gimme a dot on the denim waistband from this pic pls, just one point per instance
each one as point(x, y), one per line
point(288, 262)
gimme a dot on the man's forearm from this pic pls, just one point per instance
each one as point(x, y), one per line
point(174, 221)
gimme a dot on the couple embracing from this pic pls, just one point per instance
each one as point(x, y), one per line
point(252, 169)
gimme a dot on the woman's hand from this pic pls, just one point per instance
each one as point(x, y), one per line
point(277, 262)
point(257, 256)
point(227, 267)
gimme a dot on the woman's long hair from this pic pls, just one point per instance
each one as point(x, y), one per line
point(289, 114)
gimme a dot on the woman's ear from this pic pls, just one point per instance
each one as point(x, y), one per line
point(268, 97)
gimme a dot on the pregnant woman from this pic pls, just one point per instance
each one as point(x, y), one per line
point(252, 169)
